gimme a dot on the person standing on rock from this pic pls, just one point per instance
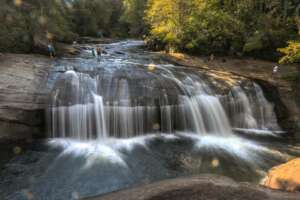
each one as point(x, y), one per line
point(94, 52)
point(51, 50)
point(275, 71)
point(99, 53)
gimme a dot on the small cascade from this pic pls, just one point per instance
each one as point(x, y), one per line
point(250, 110)
point(205, 115)
point(239, 108)
point(100, 116)
point(75, 110)
point(265, 111)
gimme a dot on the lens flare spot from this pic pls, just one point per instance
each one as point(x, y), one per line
point(49, 36)
point(17, 150)
point(215, 163)
point(151, 67)
point(42, 20)
point(18, 2)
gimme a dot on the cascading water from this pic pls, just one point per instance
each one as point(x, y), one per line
point(126, 121)
point(133, 101)
point(251, 111)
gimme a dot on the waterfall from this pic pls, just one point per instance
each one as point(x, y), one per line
point(206, 115)
point(99, 116)
point(124, 103)
point(251, 111)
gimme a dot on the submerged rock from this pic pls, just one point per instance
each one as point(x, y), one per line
point(203, 187)
point(285, 177)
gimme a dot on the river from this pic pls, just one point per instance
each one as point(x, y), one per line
point(130, 118)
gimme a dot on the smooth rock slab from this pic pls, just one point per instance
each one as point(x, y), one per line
point(23, 95)
point(285, 176)
point(205, 187)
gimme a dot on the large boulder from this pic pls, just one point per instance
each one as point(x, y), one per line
point(205, 187)
point(23, 95)
point(284, 177)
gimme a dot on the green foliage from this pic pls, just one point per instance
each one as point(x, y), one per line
point(92, 17)
point(26, 25)
point(291, 53)
point(23, 24)
point(14, 34)
point(248, 27)
point(132, 17)
point(217, 26)
point(254, 42)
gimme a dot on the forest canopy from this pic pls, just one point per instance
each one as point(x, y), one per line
point(26, 22)
point(246, 27)
point(259, 28)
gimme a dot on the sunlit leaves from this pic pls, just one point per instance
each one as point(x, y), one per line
point(215, 26)
point(191, 24)
point(291, 53)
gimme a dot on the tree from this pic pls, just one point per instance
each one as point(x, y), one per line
point(26, 22)
point(92, 17)
point(255, 28)
point(291, 53)
point(133, 16)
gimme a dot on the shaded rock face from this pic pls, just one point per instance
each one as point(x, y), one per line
point(22, 95)
point(272, 94)
point(296, 89)
point(284, 177)
point(198, 188)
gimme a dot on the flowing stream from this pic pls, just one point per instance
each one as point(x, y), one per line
point(131, 95)
point(131, 118)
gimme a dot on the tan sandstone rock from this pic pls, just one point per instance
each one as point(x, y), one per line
point(285, 176)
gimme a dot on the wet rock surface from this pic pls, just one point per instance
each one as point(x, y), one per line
point(62, 169)
point(28, 161)
point(204, 187)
